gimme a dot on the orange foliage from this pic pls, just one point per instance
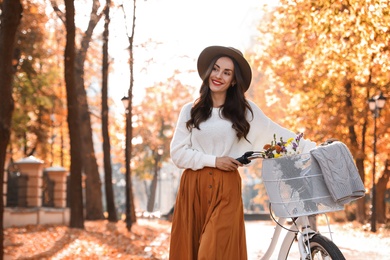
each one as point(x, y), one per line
point(321, 66)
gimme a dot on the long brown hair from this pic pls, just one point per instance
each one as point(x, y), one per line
point(234, 108)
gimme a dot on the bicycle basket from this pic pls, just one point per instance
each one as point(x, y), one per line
point(296, 187)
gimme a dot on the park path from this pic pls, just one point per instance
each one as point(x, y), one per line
point(354, 242)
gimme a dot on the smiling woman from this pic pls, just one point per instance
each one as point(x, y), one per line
point(219, 126)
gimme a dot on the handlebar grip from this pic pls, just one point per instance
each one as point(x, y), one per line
point(244, 159)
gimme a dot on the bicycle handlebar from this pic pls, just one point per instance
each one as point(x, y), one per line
point(248, 156)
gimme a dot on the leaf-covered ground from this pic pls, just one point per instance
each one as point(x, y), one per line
point(148, 239)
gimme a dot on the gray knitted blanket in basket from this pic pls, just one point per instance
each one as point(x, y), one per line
point(339, 170)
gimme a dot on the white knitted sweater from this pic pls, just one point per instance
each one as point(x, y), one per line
point(197, 149)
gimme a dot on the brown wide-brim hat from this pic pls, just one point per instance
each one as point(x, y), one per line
point(208, 54)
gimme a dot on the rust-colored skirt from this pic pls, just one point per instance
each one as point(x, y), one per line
point(208, 220)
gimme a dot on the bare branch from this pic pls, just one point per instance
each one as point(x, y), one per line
point(57, 10)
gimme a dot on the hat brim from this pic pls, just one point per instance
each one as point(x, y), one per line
point(208, 54)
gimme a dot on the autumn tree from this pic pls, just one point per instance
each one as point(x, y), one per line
point(155, 120)
point(324, 64)
point(105, 113)
point(10, 16)
point(130, 32)
point(76, 197)
point(93, 192)
point(38, 87)
point(381, 193)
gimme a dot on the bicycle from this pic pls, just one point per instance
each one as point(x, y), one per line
point(292, 197)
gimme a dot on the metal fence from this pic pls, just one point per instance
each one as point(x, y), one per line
point(17, 190)
point(47, 191)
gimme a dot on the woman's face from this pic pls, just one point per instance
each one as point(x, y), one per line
point(222, 75)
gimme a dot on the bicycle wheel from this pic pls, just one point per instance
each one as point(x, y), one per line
point(322, 247)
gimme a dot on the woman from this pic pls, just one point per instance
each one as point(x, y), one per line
point(221, 125)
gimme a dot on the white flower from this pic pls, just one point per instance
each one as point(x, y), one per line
point(290, 150)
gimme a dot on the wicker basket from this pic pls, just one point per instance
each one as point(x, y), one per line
point(296, 186)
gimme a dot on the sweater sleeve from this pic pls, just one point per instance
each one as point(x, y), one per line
point(263, 130)
point(182, 153)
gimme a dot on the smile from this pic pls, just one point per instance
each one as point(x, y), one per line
point(215, 82)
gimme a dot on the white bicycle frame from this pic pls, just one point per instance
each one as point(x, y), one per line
point(304, 234)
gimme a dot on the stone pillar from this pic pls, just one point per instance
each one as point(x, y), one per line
point(58, 175)
point(32, 167)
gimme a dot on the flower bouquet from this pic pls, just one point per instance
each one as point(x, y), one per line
point(276, 149)
point(294, 184)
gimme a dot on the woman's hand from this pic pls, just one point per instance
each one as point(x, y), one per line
point(227, 163)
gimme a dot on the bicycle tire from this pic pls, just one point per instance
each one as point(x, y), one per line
point(322, 247)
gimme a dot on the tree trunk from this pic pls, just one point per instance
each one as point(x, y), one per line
point(354, 146)
point(130, 212)
point(93, 192)
point(130, 217)
point(76, 197)
point(381, 192)
point(153, 189)
point(361, 203)
point(93, 185)
point(10, 20)
point(112, 217)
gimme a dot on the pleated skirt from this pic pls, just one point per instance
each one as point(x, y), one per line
point(208, 219)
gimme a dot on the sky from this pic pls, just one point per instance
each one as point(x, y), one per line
point(177, 31)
